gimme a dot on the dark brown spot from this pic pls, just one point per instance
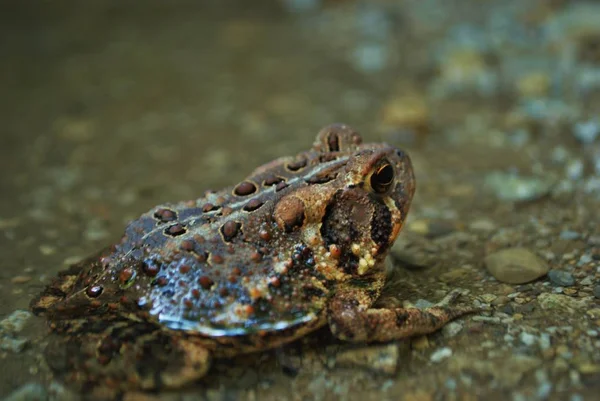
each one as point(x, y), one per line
point(232, 279)
point(205, 282)
point(184, 269)
point(230, 229)
point(226, 211)
point(165, 215)
point(195, 293)
point(245, 188)
point(126, 274)
point(297, 164)
point(161, 281)
point(256, 256)
point(94, 291)
point(187, 245)
point(188, 302)
point(280, 186)
point(150, 268)
point(275, 282)
point(175, 230)
point(252, 205)
point(272, 180)
point(223, 292)
point(202, 256)
point(218, 259)
point(333, 142)
point(264, 234)
point(209, 207)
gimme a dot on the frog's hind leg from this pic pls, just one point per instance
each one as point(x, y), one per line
point(120, 355)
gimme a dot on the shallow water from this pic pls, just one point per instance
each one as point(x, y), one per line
point(108, 109)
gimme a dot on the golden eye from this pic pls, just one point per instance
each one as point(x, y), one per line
point(382, 178)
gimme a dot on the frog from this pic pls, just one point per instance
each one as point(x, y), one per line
point(297, 245)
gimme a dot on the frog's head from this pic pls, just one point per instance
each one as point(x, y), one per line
point(365, 215)
point(358, 204)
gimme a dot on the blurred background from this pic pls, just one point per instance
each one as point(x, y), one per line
point(110, 107)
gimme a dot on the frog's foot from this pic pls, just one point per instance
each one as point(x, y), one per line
point(348, 322)
point(124, 355)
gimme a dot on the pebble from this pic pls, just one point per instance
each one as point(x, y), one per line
point(569, 235)
point(440, 354)
point(14, 323)
point(512, 187)
point(558, 302)
point(20, 279)
point(452, 329)
point(28, 392)
point(561, 278)
point(515, 265)
point(597, 291)
point(482, 225)
point(379, 358)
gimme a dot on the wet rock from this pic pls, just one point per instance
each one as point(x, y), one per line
point(505, 373)
point(452, 329)
point(569, 235)
point(28, 392)
point(516, 188)
point(382, 358)
point(440, 354)
point(586, 132)
point(15, 322)
point(561, 278)
point(20, 279)
point(9, 330)
point(482, 225)
point(559, 303)
point(597, 291)
point(534, 84)
point(515, 265)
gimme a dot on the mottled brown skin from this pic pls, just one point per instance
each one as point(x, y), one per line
point(297, 245)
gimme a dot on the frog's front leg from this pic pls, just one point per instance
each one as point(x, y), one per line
point(351, 317)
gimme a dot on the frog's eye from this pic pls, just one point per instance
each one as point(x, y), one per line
point(382, 178)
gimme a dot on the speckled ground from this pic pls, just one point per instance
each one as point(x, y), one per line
point(108, 109)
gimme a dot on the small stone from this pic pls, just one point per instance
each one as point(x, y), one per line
point(440, 354)
point(561, 278)
point(488, 298)
point(501, 300)
point(16, 344)
point(515, 265)
point(569, 235)
point(47, 250)
point(482, 225)
point(20, 279)
point(527, 339)
point(451, 329)
point(535, 84)
point(559, 302)
point(379, 358)
point(597, 291)
point(512, 187)
point(28, 392)
point(14, 323)
point(588, 368)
